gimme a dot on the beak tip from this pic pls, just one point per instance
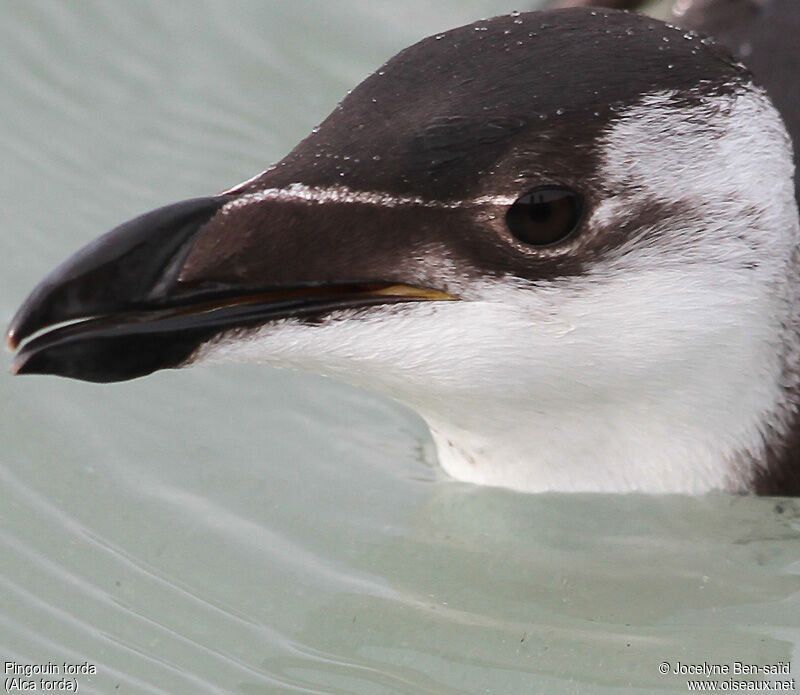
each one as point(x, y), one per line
point(23, 324)
point(24, 364)
point(12, 340)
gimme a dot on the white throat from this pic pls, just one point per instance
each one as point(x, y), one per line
point(624, 410)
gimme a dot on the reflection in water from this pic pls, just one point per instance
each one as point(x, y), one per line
point(595, 589)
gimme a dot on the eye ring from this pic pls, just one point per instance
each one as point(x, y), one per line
point(545, 216)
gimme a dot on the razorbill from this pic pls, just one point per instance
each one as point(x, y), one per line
point(568, 239)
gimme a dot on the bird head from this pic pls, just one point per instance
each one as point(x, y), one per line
point(558, 218)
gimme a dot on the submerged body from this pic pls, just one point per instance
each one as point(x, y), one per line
point(568, 239)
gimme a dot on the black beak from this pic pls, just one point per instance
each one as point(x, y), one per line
point(131, 312)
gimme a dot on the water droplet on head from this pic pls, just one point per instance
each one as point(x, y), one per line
point(376, 158)
point(517, 21)
point(438, 36)
point(559, 112)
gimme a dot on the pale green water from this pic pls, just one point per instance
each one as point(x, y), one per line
point(242, 530)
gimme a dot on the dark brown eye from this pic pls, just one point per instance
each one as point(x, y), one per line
point(545, 215)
